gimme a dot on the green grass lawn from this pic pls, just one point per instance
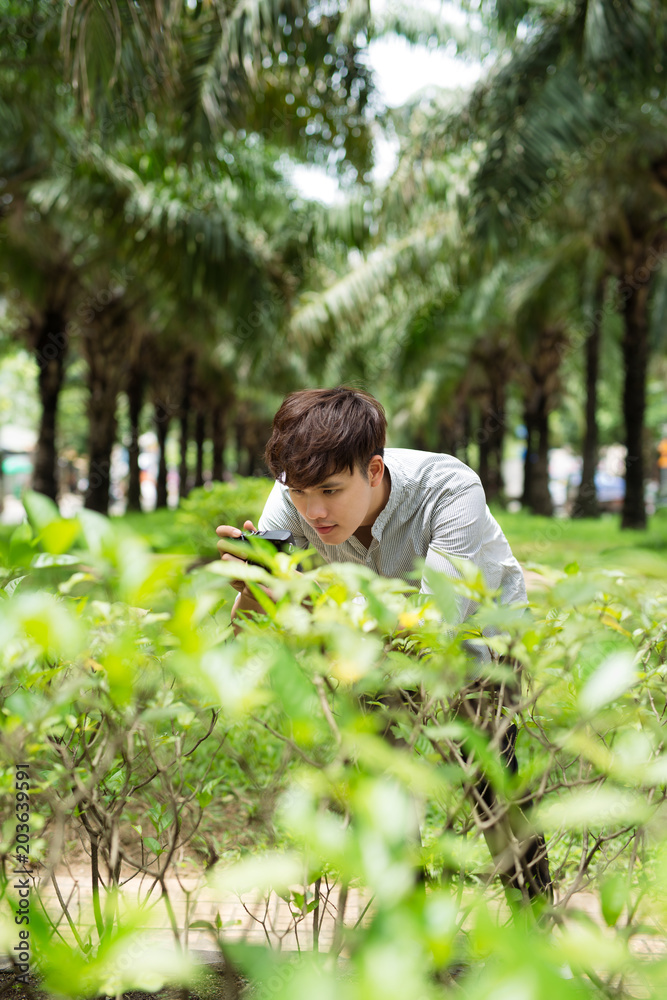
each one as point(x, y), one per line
point(162, 530)
point(535, 541)
point(591, 544)
point(540, 541)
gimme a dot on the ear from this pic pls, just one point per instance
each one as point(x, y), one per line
point(375, 470)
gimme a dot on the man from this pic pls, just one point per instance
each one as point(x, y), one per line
point(340, 491)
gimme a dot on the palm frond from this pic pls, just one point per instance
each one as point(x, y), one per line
point(421, 26)
point(198, 222)
point(508, 14)
point(557, 91)
point(349, 222)
point(350, 299)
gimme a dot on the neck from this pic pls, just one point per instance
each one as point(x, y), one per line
point(383, 491)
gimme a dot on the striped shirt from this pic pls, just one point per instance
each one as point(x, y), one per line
point(436, 508)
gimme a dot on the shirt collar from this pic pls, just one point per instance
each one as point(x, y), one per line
point(399, 485)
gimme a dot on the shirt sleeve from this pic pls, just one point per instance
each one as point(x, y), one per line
point(457, 529)
point(280, 514)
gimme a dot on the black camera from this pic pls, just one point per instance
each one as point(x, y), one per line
point(283, 540)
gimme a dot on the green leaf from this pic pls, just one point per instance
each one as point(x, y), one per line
point(615, 675)
point(294, 690)
point(47, 623)
point(203, 925)
point(240, 571)
point(576, 590)
point(443, 594)
point(59, 536)
point(613, 898)
point(44, 560)
point(598, 806)
point(41, 510)
point(97, 531)
point(21, 546)
point(530, 639)
point(153, 845)
point(68, 585)
point(271, 870)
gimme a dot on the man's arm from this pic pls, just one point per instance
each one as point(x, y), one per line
point(244, 602)
point(279, 513)
point(457, 530)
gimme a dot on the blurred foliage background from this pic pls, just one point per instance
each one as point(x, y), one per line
point(164, 781)
point(490, 265)
point(487, 259)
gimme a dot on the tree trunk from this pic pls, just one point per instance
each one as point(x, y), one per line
point(253, 456)
point(162, 420)
point(541, 388)
point(102, 435)
point(536, 494)
point(240, 437)
point(135, 397)
point(200, 435)
point(50, 346)
point(106, 347)
point(497, 443)
point(218, 439)
point(541, 502)
point(484, 455)
point(186, 393)
point(526, 494)
point(465, 423)
point(635, 363)
point(448, 435)
point(490, 438)
point(586, 504)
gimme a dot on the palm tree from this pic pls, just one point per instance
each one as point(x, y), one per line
point(105, 344)
point(291, 76)
point(586, 504)
point(164, 398)
point(135, 383)
point(45, 280)
point(564, 99)
point(199, 73)
point(36, 257)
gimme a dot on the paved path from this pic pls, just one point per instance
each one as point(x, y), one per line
point(247, 917)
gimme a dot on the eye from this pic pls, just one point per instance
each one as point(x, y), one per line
point(298, 492)
point(329, 493)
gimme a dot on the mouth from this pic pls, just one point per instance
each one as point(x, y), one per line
point(324, 529)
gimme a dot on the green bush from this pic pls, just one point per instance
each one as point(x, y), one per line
point(329, 726)
point(160, 529)
point(221, 503)
point(190, 529)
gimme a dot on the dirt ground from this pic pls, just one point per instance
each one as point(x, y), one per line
point(214, 986)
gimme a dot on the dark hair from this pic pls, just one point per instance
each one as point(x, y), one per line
point(319, 432)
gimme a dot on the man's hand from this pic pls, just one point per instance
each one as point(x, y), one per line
point(245, 601)
point(229, 531)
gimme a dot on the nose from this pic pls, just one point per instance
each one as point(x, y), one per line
point(316, 509)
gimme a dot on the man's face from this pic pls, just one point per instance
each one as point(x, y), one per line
point(341, 504)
